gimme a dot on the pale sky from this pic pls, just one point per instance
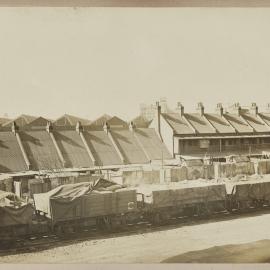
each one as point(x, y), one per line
point(90, 61)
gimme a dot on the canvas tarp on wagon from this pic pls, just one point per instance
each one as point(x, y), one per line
point(13, 211)
point(84, 200)
point(252, 190)
point(183, 194)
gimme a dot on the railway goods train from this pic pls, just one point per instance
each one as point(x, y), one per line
point(105, 205)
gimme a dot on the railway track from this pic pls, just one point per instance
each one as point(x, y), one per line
point(44, 241)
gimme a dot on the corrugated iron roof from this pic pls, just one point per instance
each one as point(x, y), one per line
point(102, 148)
point(177, 123)
point(128, 146)
point(72, 148)
point(153, 146)
point(11, 158)
point(199, 123)
point(219, 123)
point(40, 150)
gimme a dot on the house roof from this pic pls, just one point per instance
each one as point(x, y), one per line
point(255, 122)
point(116, 121)
point(38, 122)
point(238, 123)
point(4, 120)
point(11, 158)
point(21, 121)
point(199, 123)
point(177, 123)
point(129, 146)
point(141, 122)
point(40, 150)
point(101, 120)
point(152, 144)
point(102, 148)
point(72, 148)
point(219, 123)
point(265, 117)
point(71, 120)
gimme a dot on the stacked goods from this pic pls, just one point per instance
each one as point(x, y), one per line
point(178, 174)
point(263, 166)
point(208, 172)
point(136, 177)
point(244, 168)
point(226, 170)
point(13, 211)
point(194, 172)
point(38, 186)
point(229, 170)
point(181, 195)
point(85, 200)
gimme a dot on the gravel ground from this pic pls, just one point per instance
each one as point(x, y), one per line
point(154, 247)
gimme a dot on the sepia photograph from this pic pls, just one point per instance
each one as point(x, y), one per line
point(135, 132)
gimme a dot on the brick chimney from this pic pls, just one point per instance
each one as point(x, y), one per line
point(131, 126)
point(200, 108)
point(180, 108)
point(79, 127)
point(14, 128)
point(158, 107)
point(49, 127)
point(106, 127)
point(254, 108)
point(237, 108)
point(220, 109)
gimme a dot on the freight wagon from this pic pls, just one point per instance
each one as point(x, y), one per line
point(193, 198)
point(69, 207)
point(106, 205)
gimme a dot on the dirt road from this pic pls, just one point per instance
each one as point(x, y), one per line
point(156, 246)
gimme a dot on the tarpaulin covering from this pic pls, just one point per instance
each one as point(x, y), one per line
point(183, 194)
point(13, 211)
point(259, 190)
point(83, 200)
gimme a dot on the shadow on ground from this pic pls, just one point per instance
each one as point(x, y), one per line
point(254, 252)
